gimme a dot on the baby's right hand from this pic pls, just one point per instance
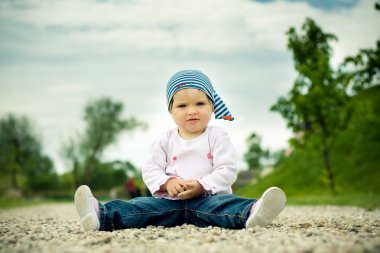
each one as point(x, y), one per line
point(174, 186)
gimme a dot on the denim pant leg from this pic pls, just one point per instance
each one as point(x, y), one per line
point(141, 212)
point(221, 210)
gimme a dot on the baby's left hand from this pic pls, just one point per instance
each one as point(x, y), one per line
point(193, 189)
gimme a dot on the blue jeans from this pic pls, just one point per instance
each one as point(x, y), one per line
point(222, 210)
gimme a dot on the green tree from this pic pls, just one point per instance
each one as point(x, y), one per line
point(363, 69)
point(113, 173)
point(105, 177)
point(104, 123)
point(255, 153)
point(21, 156)
point(315, 106)
point(41, 175)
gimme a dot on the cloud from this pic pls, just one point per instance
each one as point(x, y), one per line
point(321, 4)
point(71, 27)
point(67, 28)
point(68, 89)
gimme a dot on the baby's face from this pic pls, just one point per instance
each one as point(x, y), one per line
point(191, 111)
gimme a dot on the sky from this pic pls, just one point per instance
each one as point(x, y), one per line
point(56, 56)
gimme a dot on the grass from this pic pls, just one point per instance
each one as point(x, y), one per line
point(367, 201)
point(6, 203)
point(315, 196)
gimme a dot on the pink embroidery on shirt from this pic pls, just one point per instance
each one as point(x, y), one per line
point(174, 158)
point(209, 155)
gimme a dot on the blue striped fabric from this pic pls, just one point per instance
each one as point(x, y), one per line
point(196, 79)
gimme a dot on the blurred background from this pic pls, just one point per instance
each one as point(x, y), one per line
point(82, 93)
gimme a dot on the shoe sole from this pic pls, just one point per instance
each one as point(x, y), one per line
point(273, 202)
point(84, 205)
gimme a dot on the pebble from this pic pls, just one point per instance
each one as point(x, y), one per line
point(299, 229)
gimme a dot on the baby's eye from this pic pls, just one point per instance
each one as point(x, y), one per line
point(201, 103)
point(181, 106)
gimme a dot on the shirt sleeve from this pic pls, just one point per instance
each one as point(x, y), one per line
point(224, 162)
point(153, 171)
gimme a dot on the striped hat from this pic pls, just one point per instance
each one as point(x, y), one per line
point(197, 80)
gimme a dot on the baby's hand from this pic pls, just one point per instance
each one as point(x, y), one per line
point(193, 189)
point(175, 186)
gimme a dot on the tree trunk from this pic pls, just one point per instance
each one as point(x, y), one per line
point(90, 162)
point(14, 185)
point(76, 180)
point(326, 161)
point(88, 170)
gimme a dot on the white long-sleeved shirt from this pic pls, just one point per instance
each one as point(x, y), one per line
point(209, 158)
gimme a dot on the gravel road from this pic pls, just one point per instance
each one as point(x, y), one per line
point(55, 228)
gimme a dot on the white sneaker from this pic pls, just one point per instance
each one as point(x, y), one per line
point(84, 203)
point(267, 208)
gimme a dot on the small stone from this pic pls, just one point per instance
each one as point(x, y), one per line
point(10, 240)
point(320, 224)
point(106, 239)
point(208, 239)
point(354, 230)
point(305, 225)
point(311, 232)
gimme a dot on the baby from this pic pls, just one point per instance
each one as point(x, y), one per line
point(189, 171)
